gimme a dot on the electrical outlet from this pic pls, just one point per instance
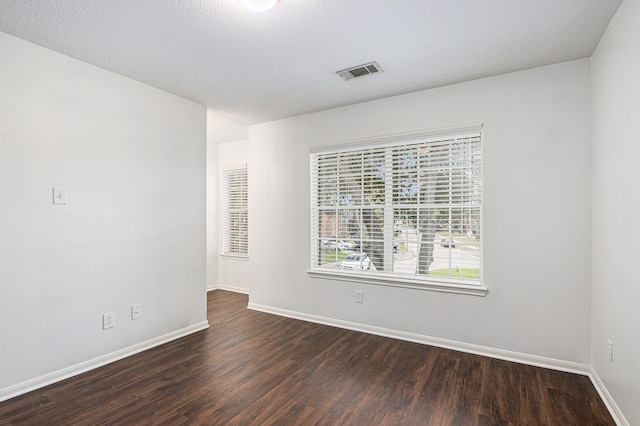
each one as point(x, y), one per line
point(359, 296)
point(108, 320)
point(610, 350)
point(136, 312)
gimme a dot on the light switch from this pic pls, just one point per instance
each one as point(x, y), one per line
point(136, 311)
point(59, 195)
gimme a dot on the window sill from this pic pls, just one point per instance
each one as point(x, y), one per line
point(235, 256)
point(394, 281)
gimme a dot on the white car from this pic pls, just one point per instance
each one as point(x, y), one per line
point(356, 261)
point(333, 245)
point(448, 243)
point(347, 245)
point(330, 246)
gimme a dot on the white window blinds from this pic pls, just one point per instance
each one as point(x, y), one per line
point(412, 206)
point(235, 240)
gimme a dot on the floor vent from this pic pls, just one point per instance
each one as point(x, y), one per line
point(360, 71)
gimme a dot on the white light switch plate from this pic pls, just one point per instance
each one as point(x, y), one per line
point(59, 195)
point(136, 312)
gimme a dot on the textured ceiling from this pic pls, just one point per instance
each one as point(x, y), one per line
point(251, 67)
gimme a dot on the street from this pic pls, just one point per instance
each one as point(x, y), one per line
point(405, 260)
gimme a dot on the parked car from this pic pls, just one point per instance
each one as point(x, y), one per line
point(447, 243)
point(396, 246)
point(356, 261)
point(330, 245)
point(347, 245)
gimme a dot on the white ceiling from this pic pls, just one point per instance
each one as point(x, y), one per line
point(251, 67)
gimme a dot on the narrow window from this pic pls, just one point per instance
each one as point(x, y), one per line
point(235, 213)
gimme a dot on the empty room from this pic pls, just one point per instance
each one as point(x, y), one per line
point(417, 212)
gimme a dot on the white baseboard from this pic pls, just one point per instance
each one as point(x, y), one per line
point(228, 288)
point(607, 399)
point(74, 370)
point(534, 360)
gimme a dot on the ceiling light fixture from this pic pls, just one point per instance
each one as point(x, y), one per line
point(259, 5)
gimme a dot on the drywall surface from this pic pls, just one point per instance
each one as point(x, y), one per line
point(212, 201)
point(616, 201)
point(536, 208)
point(132, 159)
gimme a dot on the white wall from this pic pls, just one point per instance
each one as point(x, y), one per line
point(536, 214)
point(616, 201)
point(133, 161)
point(212, 201)
point(221, 129)
point(233, 273)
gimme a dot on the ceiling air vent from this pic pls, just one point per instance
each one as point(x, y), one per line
point(360, 71)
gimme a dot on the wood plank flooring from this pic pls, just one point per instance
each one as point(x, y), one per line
point(252, 368)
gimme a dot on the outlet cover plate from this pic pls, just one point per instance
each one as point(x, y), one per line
point(108, 320)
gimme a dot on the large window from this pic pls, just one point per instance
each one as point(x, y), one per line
point(403, 210)
point(235, 203)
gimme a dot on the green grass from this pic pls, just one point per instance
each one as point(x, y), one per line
point(473, 273)
point(330, 257)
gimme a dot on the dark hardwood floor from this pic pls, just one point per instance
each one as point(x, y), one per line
point(251, 368)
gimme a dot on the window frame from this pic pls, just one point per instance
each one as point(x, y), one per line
point(390, 143)
point(240, 232)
